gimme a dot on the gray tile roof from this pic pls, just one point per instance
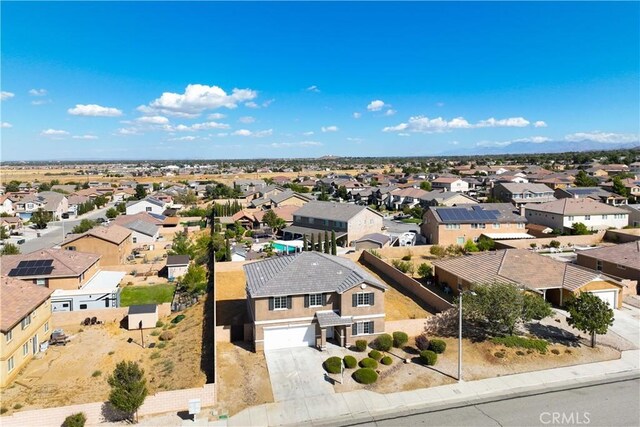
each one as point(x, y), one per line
point(627, 254)
point(175, 260)
point(143, 227)
point(375, 237)
point(331, 318)
point(471, 214)
point(307, 272)
point(522, 267)
point(517, 188)
point(576, 207)
point(331, 211)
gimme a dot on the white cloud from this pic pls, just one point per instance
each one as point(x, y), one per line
point(38, 92)
point(531, 139)
point(313, 88)
point(196, 99)
point(184, 138)
point(439, 104)
point(195, 127)
point(404, 134)
point(540, 124)
point(128, 131)
point(534, 139)
point(94, 110)
point(268, 102)
point(331, 128)
point(604, 137)
point(4, 95)
point(308, 133)
point(259, 134)
point(356, 140)
point(216, 116)
point(222, 134)
point(41, 102)
point(422, 124)
point(296, 144)
point(493, 143)
point(390, 112)
point(54, 132)
point(153, 120)
point(376, 105)
point(251, 104)
point(357, 115)
point(247, 119)
point(87, 137)
point(6, 125)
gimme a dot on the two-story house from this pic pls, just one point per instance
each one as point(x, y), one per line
point(450, 184)
point(309, 298)
point(113, 243)
point(148, 204)
point(595, 193)
point(563, 213)
point(349, 222)
point(49, 201)
point(521, 194)
point(24, 324)
point(406, 197)
point(456, 225)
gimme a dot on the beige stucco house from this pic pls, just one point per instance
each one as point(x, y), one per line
point(309, 298)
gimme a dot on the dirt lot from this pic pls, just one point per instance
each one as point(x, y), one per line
point(77, 372)
point(479, 362)
point(231, 297)
point(243, 379)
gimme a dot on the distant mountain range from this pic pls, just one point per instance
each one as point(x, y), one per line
point(543, 147)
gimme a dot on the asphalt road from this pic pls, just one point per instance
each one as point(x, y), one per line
point(610, 404)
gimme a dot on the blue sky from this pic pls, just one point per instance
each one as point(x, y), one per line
point(155, 80)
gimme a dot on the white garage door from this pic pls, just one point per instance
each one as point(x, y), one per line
point(289, 336)
point(608, 297)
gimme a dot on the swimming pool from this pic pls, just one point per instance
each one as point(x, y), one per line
point(283, 248)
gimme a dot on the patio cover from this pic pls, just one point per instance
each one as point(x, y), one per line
point(296, 229)
point(330, 318)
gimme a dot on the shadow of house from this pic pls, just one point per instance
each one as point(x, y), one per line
point(207, 359)
point(553, 334)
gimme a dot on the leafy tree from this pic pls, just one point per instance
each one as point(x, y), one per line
point(181, 245)
point(156, 186)
point(327, 243)
point(438, 251)
point(85, 207)
point(189, 198)
point(590, 314)
point(85, 185)
point(500, 306)
point(312, 244)
point(195, 279)
point(85, 225)
point(122, 207)
point(100, 201)
point(470, 246)
point(584, 180)
point(554, 244)
point(273, 220)
point(334, 247)
point(619, 188)
point(4, 234)
point(342, 192)
point(426, 186)
point(44, 187)
point(40, 218)
point(141, 193)
point(425, 270)
point(320, 241)
point(304, 243)
point(10, 249)
point(75, 420)
point(13, 186)
point(323, 197)
point(128, 388)
point(111, 213)
point(485, 243)
point(579, 229)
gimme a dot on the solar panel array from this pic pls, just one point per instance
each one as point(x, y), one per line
point(581, 191)
point(32, 268)
point(464, 214)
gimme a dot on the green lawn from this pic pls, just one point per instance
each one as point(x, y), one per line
point(153, 294)
point(412, 220)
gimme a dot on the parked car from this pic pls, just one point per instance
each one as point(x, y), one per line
point(65, 215)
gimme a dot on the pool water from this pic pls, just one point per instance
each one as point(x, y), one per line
point(283, 248)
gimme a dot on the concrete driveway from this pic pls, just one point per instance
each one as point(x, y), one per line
point(627, 324)
point(297, 372)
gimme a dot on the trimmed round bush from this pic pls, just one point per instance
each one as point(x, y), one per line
point(166, 336)
point(365, 376)
point(384, 342)
point(422, 342)
point(400, 339)
point(386, 360)
point(368, 362)
point(75, 420)
point(437, 346)
point(333, 365)
point(361, 345)
point(350, 362)
point(375, 354)
point(428, 357)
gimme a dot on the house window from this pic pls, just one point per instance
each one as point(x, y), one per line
point(315, 300)
point(362, 328)
point(148, 209)
point(520, 225)
point(9, 336)
point(496, 225)
point(587, 217)
point(477, 226)
point(135, 240)
point(570, 217)
point(363, 299)
point(452, 226)
point(280, 303)
point(83, 306)
point(26, 322)
point(10, 364)
point(599, 265)
point(25, 349)
point(604, 217)
point(46, 327)
point(41, 282)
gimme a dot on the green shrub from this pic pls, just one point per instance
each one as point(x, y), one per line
point(386, 360)
point(166, 336)
point(422, 342)
point(75, 420)
point(500, 354)
point(375, 253)
point(178, 318)
point(17, 406)
point(522, 342)
point(406, 258)
point(96, 373)
point(159, 324)
point(361, 345)
point(368, 362)
point(155, 333)
point(111, 353)
point(428, 357)
point(375, 354)
point(155, 355)
point(365, 376)
point(161, 345)
point(350, 362)
point(384, 342)
point(555, 351)
point(437, 346)
point(567, 351)
point(3, 410)
point(333, 365)
point(399, 339)
point(520, 353)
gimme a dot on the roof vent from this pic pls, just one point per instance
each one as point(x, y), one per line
point(339, 272)
point(314, 263)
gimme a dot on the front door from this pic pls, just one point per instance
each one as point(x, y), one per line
point(330, 332)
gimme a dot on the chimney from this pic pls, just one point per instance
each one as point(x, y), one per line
point(522, 210)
